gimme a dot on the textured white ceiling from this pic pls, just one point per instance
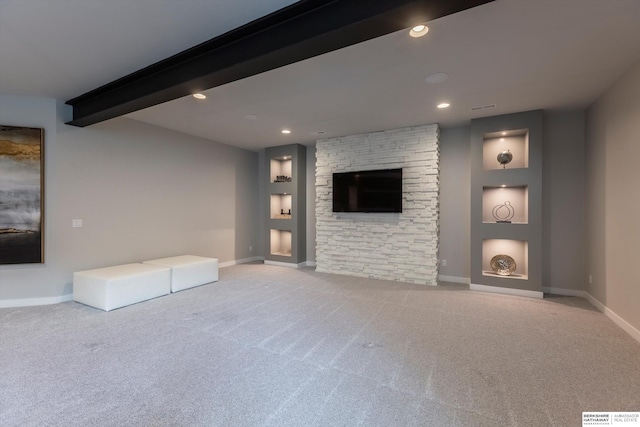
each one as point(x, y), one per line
point(518, 54)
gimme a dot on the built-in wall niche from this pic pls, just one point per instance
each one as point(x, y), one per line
point(281, 206)
point(280, 242)
point(505, 204)
point(281, 169)
point(503, 252)
point(506, 144)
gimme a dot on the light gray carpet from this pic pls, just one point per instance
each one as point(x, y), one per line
point(271, 346)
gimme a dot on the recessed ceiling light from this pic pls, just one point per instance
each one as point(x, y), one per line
point(503, 186)
point(419, 30)
point(286, 131)
point(251, 117)
point(504, 133)
point(199, 96)
point(443, 105)
point(436, 78)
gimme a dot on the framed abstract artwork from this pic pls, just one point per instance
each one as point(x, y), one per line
point(21, 195)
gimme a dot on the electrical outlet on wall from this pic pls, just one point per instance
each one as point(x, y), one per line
point(443, 263)
point(590, 280)
point(250, 248)
point(76, 223)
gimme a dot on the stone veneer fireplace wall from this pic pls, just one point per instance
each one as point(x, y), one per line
point(392, 246)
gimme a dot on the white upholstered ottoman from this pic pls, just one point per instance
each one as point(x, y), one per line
point(188, 271)
point(114, 287)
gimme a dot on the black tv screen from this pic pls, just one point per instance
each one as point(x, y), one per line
point(368, 191)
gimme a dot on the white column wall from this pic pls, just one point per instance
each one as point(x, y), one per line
point(403, 246)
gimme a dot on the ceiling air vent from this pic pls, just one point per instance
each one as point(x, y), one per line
point(483, 107)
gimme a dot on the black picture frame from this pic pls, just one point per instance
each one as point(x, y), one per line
point(21, 195)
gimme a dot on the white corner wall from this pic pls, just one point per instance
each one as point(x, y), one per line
point(400, 247)
point(613, 202)
point(143, 192)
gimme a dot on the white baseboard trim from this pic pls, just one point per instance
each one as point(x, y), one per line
point(240, 261)
point(506, 291)
point(563, 292)
point(597, 304)
point(626, 326)
point(28, 302)
point(286, 264)
point(454, 279)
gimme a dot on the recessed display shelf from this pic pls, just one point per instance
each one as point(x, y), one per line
point(506, 149)
point(280, 169)
point(508, 204)
point(503, 252)
point(280, 243)
point(280, 206)
point(284, 206)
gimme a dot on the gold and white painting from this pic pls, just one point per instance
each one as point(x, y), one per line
point(21, 195)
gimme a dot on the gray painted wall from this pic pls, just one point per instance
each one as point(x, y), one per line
point(295, 226)
point(143, 192)
point(311, 203)
point(483, 235)
point(454, 201)
point(613, 199)
point(563, 200)
point(262, 188)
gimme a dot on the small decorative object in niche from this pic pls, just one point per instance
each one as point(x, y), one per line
point(282, 178)
point(503, 213)
point(504, 158)
point(283, 215)
point(21, 195)
point(503, 265)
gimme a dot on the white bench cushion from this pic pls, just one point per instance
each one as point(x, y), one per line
point(114, 287)
point(188, 271)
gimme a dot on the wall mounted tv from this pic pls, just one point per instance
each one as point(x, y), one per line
point(368, 191)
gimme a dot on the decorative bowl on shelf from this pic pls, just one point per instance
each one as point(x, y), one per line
point(503, 265)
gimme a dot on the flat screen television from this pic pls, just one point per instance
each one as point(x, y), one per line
point(368, 191)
